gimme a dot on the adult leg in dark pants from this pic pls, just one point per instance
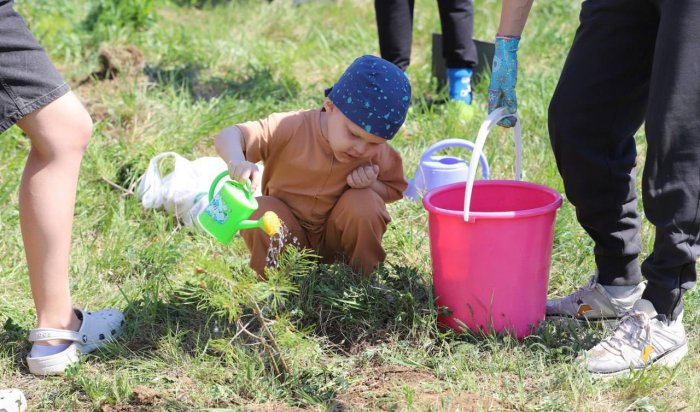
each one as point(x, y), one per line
point(457, 22)
point(633, 61)
point(395, 25)
point(596, 109)
point(395, 30)
point(671, 180)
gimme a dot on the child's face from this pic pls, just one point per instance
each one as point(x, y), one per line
point(349, 141)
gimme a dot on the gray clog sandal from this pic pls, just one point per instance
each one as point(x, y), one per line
point(97, 329)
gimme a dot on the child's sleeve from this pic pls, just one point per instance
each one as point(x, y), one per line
point(391, 173)
point(262, 137)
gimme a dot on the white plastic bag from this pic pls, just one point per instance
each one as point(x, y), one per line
point(184, 191)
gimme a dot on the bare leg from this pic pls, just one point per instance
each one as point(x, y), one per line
point(59, 133)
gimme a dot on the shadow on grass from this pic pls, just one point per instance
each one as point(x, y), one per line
point(260, 83)
point(150, 322)
point(276, 328)
point(427, 104)
point(354, 312)
point(333, 304)
point(351, 312)
point(147, 323)
point(14, 344)
point(200, 4)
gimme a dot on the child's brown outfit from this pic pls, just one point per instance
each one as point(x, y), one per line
point(306, 186)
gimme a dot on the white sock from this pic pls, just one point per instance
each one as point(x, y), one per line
point(39, 351)
point(620, 292)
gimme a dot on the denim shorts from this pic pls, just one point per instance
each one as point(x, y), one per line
point(28, 79)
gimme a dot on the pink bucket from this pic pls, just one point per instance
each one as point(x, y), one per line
point(491, 259)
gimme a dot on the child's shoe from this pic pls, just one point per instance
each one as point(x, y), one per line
point(642, 338)
point(460, 85)
point(596, 303)
point(97, 329)
point(12, 400)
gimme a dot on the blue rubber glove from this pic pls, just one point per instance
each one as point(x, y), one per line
point(504, 75)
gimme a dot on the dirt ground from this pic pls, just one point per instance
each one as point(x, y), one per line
point(378, 389)
point(403, 388)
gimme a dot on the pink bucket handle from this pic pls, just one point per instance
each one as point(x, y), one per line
point(488, 124)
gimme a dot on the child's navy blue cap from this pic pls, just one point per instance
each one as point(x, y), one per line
point(374, 94)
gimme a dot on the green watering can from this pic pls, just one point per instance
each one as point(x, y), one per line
point(228, 210)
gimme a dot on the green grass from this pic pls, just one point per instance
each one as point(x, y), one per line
point(201, 332)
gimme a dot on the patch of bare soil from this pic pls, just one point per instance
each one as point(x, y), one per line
point(402, 388)
point(121, 68)
point(118, 61)
point(144, 398)
point(271, 407)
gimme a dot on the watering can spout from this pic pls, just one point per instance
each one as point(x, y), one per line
point(270, 223)
point(249, 224)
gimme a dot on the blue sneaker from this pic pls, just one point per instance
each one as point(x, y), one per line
point(460, 82)
point(460, 91)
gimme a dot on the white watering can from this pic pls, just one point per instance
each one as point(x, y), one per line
point(435, 171)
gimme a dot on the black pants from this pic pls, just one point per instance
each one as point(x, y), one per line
point(634, 62)
point(395, 27)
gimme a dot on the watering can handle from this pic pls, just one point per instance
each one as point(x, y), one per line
point(212, 188)
point(488, 124)
point(443, 144)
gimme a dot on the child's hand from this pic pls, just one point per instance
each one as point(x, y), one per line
point(363, 176)
point(244, 170)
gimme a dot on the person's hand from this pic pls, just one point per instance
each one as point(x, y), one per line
point(363, 176)
point(244, 170)
point(504, 75)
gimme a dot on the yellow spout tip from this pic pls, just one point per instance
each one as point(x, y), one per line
point(271, 223)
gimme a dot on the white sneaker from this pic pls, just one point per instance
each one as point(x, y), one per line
point(595, 303)
point(12, 400)
point(97, 329)
point(641, 339)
